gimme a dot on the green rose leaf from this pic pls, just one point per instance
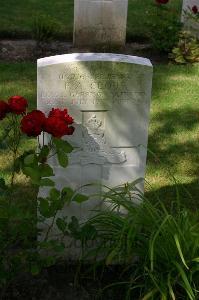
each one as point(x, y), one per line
point(79, 198)
point(33, 173)
point(62, 158)
point(45, 170)
point(44, 208)
point(62, 145)
point(29, 159)
point(46, 182)
point(61, 224)
point(54, 194)
point(67, 194)
point(43, 153)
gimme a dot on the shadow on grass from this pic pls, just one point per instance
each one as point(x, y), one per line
point(177, 81)
point(173, 140)
point(187, 194)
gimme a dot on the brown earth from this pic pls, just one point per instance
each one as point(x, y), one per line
point(30, 50)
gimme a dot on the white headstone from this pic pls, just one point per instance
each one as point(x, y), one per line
point(189, 22)
point(109, 97)
point(98, 22)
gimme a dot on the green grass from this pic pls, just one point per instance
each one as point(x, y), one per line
point(17, 16)
point(174, 126)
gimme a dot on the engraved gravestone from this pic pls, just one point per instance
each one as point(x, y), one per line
point(100, 22)
point(189, 20)
point(109, 97)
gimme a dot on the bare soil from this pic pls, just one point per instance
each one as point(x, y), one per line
point(64, 282)
point(30, 50)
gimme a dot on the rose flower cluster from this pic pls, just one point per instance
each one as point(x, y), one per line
point(16, 105)
point(57, 123)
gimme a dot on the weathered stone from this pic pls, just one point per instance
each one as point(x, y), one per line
point(100, 22)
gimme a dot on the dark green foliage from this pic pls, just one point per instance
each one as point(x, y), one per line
point(157, 246)
point(164, 30)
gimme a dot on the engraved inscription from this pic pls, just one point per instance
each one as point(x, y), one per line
point(98, 83)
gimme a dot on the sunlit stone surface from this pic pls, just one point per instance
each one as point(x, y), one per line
point(109, 97)
point(100, 22)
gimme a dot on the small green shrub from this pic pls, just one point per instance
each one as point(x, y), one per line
point(164, 33)
point(164, 29)
point(44, 28)
point(186, 50)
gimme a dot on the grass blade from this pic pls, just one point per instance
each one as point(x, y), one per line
point(188, 287)
point(180, 250)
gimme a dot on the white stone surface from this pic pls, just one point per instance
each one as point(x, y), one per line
point(190, 24)
point(100, 22)
point(109, 97)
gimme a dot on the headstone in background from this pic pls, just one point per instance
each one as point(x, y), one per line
point(100, 22)
point(188, 21)
point(109, 97)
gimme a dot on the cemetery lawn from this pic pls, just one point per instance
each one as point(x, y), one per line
point(24, 13)
point(173, 134)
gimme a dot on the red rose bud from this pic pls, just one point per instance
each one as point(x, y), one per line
point(4, 109)
point(195, 9)
point(33, 123)
point(62, 114)
point(57, 127)
point(162, 1)
point(17, 104)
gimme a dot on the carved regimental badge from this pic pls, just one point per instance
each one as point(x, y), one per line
point(95, 149)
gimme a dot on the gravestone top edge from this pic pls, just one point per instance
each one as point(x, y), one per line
point(109, 57)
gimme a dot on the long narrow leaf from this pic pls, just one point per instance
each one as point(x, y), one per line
point(171, 292)
point(180, 250)
point(188, 287)
point(152, 243)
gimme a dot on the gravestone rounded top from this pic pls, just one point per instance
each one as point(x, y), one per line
point(75, 57)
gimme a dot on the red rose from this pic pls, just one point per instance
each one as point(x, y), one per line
point(162, 1)
point(17, 104)
point(4, 109)
point(195, 9)
point(33, 123)
point(62, 114)
point(57, 127)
